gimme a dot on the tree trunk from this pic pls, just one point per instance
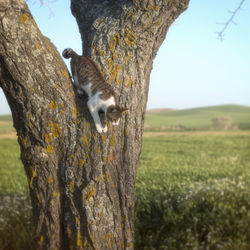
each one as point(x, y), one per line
point(81, 182)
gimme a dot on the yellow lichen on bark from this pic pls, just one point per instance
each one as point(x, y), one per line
point(99, 178)
point(82, 162)
point(107, 159)
point(128, 82)
point(22, 139)
point(89, 194)
point(107, 177)
point(78, 240)
point(71, 186)
point(50, 179)
point(114, 70)
point(85, 139)
point(56, 194)
point(40, 242)
point(112, 141)
point(55, 129)
point(65, 73)
point(74, 112)
point(130, 37)
point(109, 238)
point(24, 18)
point(53, 105)
point(113, 42)
point(104, 138)
point(48, 138)
point(38, 46)
point(49, 149)
point(32, 176)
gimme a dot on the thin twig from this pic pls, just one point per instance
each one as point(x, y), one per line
point(47, 4)
point(230, 20)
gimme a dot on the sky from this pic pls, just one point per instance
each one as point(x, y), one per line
point(192, 68)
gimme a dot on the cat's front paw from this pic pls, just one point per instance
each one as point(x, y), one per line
point(105, 129)
point(99, 130)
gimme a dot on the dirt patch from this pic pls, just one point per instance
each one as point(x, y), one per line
point(10, 135)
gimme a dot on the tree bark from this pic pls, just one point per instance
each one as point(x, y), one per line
point(81, 182)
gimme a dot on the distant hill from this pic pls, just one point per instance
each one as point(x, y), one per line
point(197, 118)
point(164, 119)
point(6, 118)
point(6, 124)
point(159, 111)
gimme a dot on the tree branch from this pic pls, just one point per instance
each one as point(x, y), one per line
point(47, 4)
point(230, 20)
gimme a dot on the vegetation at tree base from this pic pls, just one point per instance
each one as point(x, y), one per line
point(192, 191)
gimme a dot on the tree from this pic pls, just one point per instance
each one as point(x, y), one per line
point(81, 182)
point(222, 122)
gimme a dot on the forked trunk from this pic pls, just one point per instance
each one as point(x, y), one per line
point(81, 182)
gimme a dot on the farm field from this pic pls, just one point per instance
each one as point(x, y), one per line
point(192, 192)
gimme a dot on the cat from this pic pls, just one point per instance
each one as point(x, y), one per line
point(88, 78)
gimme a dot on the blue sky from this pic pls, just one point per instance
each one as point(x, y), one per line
point(192, 68)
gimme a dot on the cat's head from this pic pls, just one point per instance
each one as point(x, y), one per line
point(67, 53)
point(114, 114)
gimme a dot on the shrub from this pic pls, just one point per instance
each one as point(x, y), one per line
point(222, 122)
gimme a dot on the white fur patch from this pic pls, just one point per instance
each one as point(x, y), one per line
point(116, 123)
point(87, 89)
point(76, 82)
point(95, 103)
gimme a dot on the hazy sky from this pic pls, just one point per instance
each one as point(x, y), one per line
point(192, 68)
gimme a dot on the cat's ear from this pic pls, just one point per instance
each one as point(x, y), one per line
point(124, 110)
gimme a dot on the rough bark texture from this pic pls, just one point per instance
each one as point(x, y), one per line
point(81, 182)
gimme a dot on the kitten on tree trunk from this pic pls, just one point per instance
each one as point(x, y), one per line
point(88, 78)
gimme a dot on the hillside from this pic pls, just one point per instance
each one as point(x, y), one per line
point(159, 111)
point(6, 124)
point(164, 119)
point(6, 118)
point(197, 118)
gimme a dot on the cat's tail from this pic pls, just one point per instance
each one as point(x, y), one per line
point(68, 53)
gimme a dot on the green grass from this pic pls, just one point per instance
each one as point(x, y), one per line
point(15, 209)
point(198, 118)
point(12, 176)
point(192, 192)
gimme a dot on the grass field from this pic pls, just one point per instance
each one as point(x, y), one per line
point(192, 192)
point(197, 118)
